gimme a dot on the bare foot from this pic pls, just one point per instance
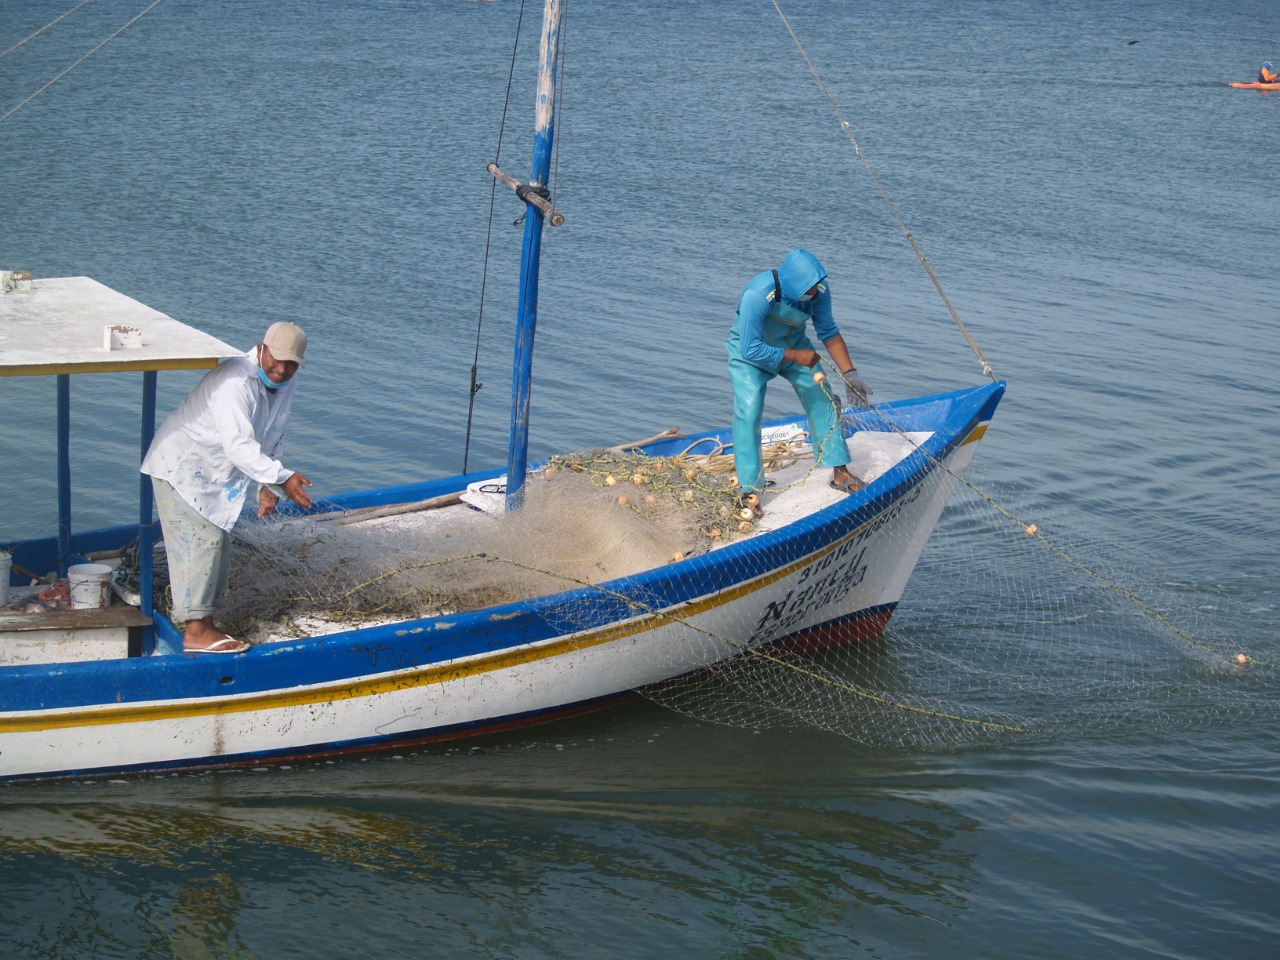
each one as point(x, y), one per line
point(201, 636)
point(842, 479)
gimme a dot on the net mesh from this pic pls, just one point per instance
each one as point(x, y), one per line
point(587, 518)
point(1001, 631)
point(1004, 633)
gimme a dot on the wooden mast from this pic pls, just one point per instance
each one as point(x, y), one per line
point(527, 318)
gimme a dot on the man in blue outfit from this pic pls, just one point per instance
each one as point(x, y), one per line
point(768, 339)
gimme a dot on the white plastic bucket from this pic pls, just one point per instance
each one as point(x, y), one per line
point(6, 560)
point(90, 585)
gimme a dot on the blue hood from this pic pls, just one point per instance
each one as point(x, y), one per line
point(800, 270)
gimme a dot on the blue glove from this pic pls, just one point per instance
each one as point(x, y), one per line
point(856, 389)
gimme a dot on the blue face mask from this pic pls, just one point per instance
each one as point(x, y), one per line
point(267, 381)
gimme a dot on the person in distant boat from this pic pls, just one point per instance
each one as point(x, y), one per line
point(1268, 74)
point(228, 432)
point(769, 339)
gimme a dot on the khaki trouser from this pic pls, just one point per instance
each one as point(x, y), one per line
point(199, 555)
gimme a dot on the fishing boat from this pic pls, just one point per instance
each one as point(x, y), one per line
point(107, 689)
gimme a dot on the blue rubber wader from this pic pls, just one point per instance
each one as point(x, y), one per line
point(784, 326)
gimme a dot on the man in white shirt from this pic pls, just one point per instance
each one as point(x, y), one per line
point(228, 432)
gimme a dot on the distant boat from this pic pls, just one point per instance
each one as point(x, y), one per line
point(96, 691)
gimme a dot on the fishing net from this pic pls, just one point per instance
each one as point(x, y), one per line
point(1003, 630)
point(1002, 633)
point(587, 518)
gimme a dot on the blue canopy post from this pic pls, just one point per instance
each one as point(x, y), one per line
point(527, 318)
point(146, 526)
point(85, 318)
point(64, 472)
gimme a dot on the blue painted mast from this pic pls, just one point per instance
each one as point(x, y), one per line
point(527, 318)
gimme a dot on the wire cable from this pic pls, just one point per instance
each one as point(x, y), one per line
point(117, 33)
point(44, 28)
point(488, 243)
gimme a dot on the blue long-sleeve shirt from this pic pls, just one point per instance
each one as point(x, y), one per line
point(799, 272)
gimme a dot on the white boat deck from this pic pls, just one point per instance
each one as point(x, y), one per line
point(801, 489)
point(58, 636)
point(794, 491)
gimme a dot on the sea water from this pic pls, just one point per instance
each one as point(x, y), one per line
point(1097, 204)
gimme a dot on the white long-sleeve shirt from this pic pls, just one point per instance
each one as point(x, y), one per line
point(228, 431)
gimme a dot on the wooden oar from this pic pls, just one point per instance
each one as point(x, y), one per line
point(344, 517)
point(667, 434)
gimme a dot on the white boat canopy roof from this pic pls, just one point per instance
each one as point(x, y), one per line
point(66, 325)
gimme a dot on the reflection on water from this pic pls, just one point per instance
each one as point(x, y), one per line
point(600, 831)
point(204, 914)
point(1096, 231)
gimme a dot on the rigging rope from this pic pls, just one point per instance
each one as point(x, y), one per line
point(44, 28)
point(117, 33)
point(848, 131)
point(488, 241)
point(1031, 529)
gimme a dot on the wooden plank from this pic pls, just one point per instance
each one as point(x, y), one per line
point(116, 615)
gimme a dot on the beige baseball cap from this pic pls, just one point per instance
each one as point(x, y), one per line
point(286, 341)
